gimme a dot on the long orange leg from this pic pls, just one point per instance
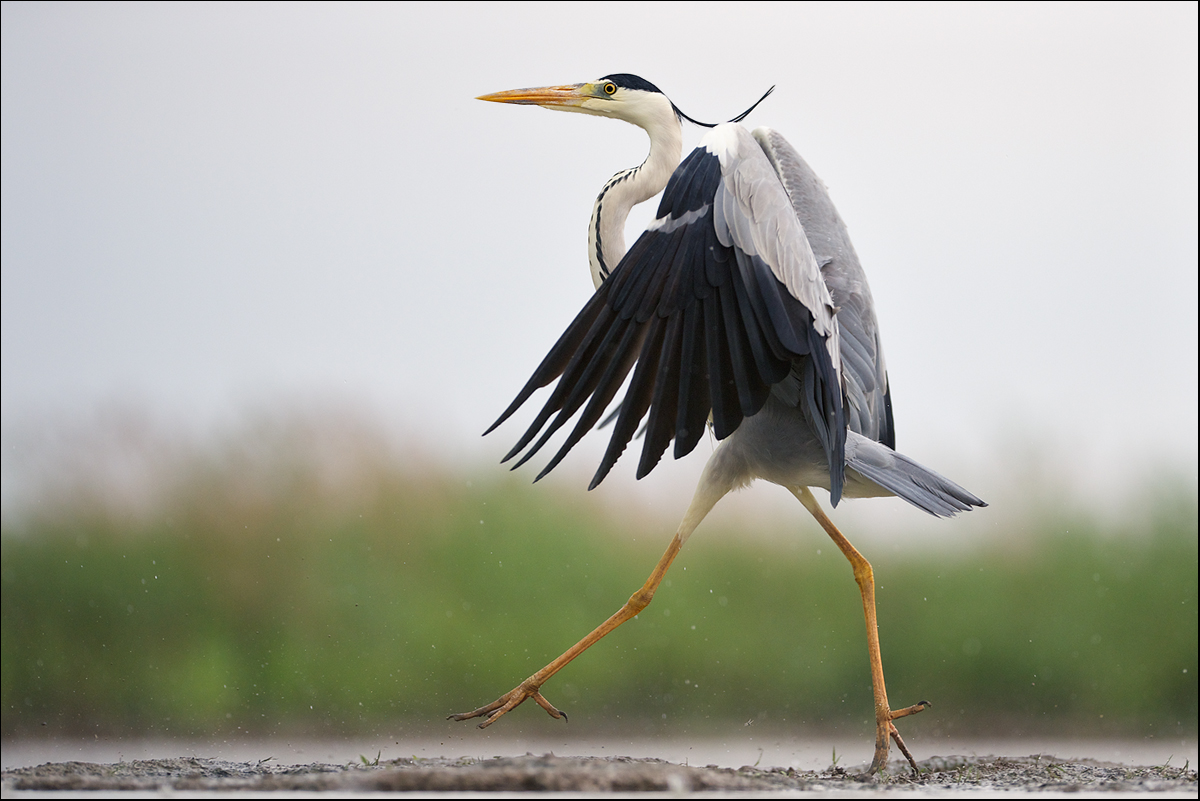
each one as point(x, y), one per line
point(884, 728)
point(531, 686)
point(707, 495)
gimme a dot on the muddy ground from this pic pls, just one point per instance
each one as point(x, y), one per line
point(549, 773)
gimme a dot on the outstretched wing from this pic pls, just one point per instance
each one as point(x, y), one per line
point(717, 302)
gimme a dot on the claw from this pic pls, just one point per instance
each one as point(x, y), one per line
point(508, 702)
point(919, 706)
point(549, 707)
point(879, 763)
point(903, 748)
point(483, 710)
point(894, 734)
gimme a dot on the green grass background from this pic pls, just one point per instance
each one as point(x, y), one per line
point(275, 605)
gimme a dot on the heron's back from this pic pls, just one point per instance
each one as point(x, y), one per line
point(868, 410)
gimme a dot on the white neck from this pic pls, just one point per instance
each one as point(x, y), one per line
point(626, 189)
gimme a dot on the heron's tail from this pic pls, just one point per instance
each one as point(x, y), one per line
point(906, 479)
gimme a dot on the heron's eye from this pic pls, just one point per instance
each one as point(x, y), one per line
point(610, 88)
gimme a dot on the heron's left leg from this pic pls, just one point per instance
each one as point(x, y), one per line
point(864, 575)
point(531, 687)
point(707, 494)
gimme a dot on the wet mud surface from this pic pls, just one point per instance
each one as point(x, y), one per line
point(550, 773)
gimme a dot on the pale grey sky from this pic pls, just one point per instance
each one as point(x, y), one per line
point(215, 208)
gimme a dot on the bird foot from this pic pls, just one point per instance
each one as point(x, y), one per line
point(889, 732)
point(509, 701)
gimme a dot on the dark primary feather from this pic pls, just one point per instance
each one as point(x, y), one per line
point(709, 328)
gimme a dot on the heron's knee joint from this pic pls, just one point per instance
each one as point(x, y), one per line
point(863, 574)
point(641, 599)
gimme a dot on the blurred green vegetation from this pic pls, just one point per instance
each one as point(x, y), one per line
point(257, 600)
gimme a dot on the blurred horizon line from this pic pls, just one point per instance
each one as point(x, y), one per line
point(127, 460)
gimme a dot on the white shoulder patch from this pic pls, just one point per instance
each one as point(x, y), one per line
point(725, 141)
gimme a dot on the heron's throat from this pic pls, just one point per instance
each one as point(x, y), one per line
point(626, 189)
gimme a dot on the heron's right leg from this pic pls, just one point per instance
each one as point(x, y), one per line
point(885, 730)
point(706, 497)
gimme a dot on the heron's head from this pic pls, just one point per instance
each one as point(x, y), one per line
point(621, 96)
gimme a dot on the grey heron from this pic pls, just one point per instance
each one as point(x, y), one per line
point(744, 307)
